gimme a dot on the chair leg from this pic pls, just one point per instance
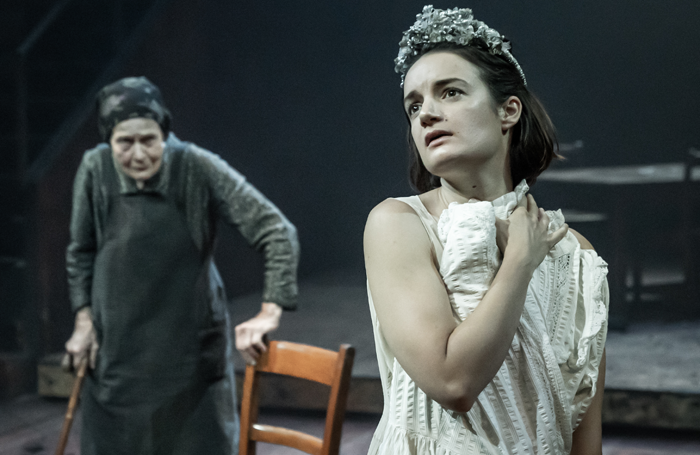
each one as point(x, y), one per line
point(249, 411)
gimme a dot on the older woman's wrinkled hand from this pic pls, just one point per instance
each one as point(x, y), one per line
point(250, 335)
point(83, 342)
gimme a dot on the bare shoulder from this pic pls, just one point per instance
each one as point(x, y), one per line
point(585, 244)
point(389, 207)
point(393, 224)
point(389, 214)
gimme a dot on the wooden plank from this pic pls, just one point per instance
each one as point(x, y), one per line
point(53, 381)
point(286, 437)
point(676, 411)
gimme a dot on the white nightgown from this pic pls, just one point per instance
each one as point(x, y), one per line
point(547, 380)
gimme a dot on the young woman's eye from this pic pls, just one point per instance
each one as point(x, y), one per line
point(413, 109)
point(451, 92)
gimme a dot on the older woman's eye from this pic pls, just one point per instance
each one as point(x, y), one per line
point(413, 109)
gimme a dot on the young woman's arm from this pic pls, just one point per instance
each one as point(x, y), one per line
point(588, 437)
point(450, 362)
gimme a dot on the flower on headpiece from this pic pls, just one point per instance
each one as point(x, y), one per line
point(458, 26)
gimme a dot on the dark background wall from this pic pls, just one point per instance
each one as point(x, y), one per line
point(301, 97)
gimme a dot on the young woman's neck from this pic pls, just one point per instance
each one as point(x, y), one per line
point(481, 183)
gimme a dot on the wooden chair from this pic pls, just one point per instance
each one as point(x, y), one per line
point(302, 361)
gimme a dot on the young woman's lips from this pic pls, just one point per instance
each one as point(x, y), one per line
point(435, 138)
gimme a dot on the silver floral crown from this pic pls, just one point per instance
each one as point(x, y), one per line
point(458, 26)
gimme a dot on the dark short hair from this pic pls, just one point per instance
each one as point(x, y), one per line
point(533, 138)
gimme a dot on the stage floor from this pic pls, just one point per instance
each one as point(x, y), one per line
point(30, 425)
point(334, 310)
point(652, 389)
point(653, 369)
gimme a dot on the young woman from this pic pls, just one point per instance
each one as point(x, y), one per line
point(489, 313)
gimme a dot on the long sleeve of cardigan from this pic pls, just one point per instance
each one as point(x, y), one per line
point(80, 255)
point(261, 223)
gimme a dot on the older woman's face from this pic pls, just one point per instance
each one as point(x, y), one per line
point(454, 120)
point(137, 145)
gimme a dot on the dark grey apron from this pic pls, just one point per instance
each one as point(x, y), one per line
point(161, 355)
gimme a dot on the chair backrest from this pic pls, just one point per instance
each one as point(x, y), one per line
point(302, 361)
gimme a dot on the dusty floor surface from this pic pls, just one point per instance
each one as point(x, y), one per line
point(333, 310)
point(662, 357)
point(31, 425)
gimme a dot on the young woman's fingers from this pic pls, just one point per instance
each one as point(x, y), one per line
point(532, 205)
point(556, 236)
point(521, 206)
point(543, 219)
point(522, 203)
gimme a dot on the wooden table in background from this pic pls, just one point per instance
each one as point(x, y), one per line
point(621, 192)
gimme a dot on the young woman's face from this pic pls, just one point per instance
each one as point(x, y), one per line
point(454, 120)
point(137, 145)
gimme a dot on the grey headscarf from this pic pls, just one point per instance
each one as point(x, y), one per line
point(131, 97)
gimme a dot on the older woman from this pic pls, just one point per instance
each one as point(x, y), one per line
point(149, 302)
point(489, 313)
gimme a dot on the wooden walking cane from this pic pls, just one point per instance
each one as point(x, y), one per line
point(72, 403)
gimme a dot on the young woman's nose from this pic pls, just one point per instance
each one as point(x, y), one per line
point(429, 113)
